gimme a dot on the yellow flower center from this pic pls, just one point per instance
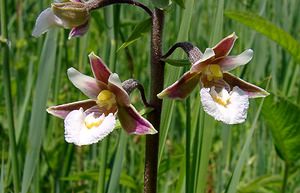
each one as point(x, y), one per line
point(221, 101)
point(90, 121)
point(222, 98)
point(213, 71)
point(106, 99)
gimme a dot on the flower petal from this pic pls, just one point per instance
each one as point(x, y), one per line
point(45, 21)
point(62, 111)
point(115, 86)
point(231, 62)
point(233, 113)
point(225, 45)
point(250, 89)
point(79, 30)
point(100, 70)
point(88, 85)
point(133, 122)
point(181, 88)
point(207, 58)
point(76, 131)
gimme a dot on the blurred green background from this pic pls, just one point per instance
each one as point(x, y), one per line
point(221, 158)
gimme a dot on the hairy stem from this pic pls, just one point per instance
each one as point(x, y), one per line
point(157, 81)
point(96, 4)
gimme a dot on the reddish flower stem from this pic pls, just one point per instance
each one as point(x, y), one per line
point(157, 81)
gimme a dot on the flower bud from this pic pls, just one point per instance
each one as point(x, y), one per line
point(71, 13)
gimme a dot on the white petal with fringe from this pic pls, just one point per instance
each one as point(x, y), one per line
point(85, 129)
point(230, 108)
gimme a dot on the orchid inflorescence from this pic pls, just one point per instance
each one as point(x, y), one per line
point(223, 95)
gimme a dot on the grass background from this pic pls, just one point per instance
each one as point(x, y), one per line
point(197, 154)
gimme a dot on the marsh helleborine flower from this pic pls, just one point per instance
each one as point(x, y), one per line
point(73, 14)
point(223, 96)
point(91, 120)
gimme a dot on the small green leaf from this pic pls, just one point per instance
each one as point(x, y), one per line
point(282, 117)
point(141, 28)
point(178, 62)
point(180, 3)
point(268, 29)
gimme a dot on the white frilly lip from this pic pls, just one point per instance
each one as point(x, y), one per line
point(76, 131)
point(45, 21)
point(234, 112)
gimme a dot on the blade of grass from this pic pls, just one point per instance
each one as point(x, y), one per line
point(171, 76)
point(206, 144)
point(25, 102)
point(234, 180)
point(204, 147)
point(102, 169)
point(285, 177)
point(8, 98)
point(180, 181)
point(117, 167)
point(112, 21)
point(2, 172)
point(188, 145)
point(38, 113)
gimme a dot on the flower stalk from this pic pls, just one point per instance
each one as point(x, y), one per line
point(132, 84)
point(156, 83)
point(192, 51)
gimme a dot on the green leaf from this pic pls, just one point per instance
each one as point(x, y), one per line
point(141, 28)
point(282, 118)
point(180, 3)
point(268, 29)
point(178, 62)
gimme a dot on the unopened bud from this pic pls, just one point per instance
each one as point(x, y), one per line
point(72, 13)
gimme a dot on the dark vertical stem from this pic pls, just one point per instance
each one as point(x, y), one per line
point(157, 81)
point(8, 97)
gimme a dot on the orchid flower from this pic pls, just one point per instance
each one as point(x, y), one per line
point(223, 95)
point(89, 121)
point(72, 14)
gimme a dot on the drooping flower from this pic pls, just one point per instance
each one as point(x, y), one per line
point(73, 14)
point(223, 96)
point(89, 121)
